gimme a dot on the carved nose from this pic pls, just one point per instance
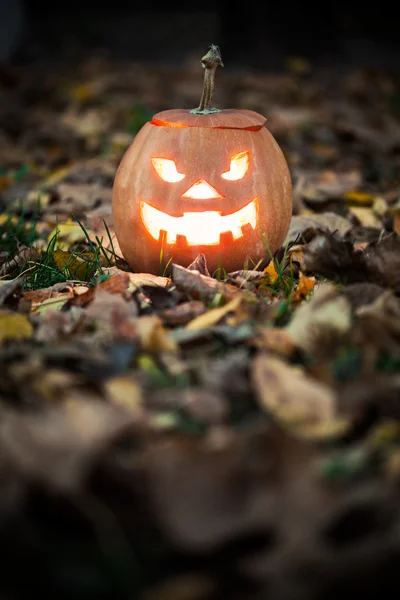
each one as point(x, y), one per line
point(201, 190)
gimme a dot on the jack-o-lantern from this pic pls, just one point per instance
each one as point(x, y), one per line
point(205, 181)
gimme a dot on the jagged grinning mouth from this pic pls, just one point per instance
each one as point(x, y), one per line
point(198, 228)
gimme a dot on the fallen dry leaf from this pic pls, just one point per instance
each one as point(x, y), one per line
point(379, 322)
point(213, 316)
point(304, 287)
point(55, 303)
point(14, 326)
point(68, 233)
point(200, 265)
point(138, 280)
point(183, 313)
point(56, 324)
point(295, 400)
point(320, 322)
point(9, 288)
point(306, 227)
point(365, 216)
point(124, 391)
point(206, 406)
point(117, 284)
point(273, 339)
point(59, 445)
point(77, 267)
point(271, 273)
point(201, 287)
point(335, 259)
point(358, 197)
point(113, 317)
point(153, 337)
point(383, 261)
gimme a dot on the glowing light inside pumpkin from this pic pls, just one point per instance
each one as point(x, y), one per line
point(239, 166)
point(201, 190)
point(166, 169)
point(199, 228)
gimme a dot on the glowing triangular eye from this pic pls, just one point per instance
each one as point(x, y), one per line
point(239, 166)
point(166, 169)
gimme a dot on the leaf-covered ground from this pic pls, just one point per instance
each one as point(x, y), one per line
point(180, 436)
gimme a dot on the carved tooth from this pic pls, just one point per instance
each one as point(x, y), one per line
point(226, 238)
point(181, 241)
point(246, 229)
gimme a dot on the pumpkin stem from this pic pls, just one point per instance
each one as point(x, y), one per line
point(210, 62)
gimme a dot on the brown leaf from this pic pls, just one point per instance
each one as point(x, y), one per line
point(9, 288)
point(274, 339)
point(182, 313)
point(332, 258)
point(200, 264)
point(209, 493)
point(306, 227)
point(114, 317)
point(188, 586)
point(77, 199)
point(58, 446)
point(246, 279)
point(321, 322)
point(206, 406)
point(137, 280)
point(360, 294)
point(319, 187)
point(200, 286)
point(379, 322)
point(117, 284)
point(383, 259)
point(56, 324)
point(295, 400)
point(220, 489)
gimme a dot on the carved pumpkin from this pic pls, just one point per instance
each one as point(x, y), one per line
point(205, 181)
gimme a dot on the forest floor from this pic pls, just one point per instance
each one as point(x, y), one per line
point(181, 435)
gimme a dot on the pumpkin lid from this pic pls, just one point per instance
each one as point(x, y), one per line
point(224, 119)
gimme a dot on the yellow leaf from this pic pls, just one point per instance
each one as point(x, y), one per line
point(360, 197)
point(298, 64)
point(304, 287)
point(214, 315)
point(365, 215)
point(52, 304)
point(153, 336)
point(125, 392)
point(5, 218)
point(75, 266)
point(4, 182)
point(56, 176)
point(14, 326)
point(271, 272)
point(82, 92)
point(69, 232)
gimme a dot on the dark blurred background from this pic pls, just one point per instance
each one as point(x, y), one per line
point(251, 33)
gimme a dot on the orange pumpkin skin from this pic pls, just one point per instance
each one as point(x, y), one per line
point(202, 147)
